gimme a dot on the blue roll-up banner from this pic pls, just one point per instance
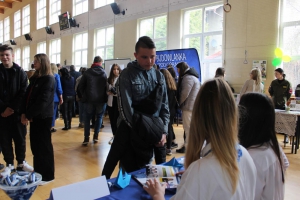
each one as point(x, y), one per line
point(175, 56)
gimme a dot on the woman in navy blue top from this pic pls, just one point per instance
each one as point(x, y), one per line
point(68, 86)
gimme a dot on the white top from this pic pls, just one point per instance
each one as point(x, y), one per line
point(250, 86)
point(269, 183)
point(206, 180)
point(110, 96)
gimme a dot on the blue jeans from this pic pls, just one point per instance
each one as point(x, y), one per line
point(90, 110)
point(81, 111)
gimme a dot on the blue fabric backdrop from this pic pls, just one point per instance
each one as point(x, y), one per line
point(175, 56)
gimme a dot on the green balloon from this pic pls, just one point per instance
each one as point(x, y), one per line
point(276, 61)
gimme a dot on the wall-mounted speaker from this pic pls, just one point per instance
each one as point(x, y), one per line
point(12, 42)
point(73, 22)
point(115, 8)
point(28, 37)
point(49, 30)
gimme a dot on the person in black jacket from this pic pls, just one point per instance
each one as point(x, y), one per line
point(68, 87)
point(13, 84)
point(280, 89)
point(93, 87)
point(75, 74)
point(37, 108)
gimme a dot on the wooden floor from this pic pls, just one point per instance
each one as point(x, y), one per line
point(74, 163)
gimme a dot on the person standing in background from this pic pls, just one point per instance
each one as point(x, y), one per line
point(13, 84)
point(93, 87)
point(37, 108)
point(220, 73)
point(112, 102)
point(78, 99)
point(58, 99)
point(254, 84)
point(188, 88)
point(280, 90)
point(68, 86)
point(75, 75)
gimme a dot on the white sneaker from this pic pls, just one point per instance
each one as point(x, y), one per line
point(45, 182)
point(111, 141)
point(25, 167)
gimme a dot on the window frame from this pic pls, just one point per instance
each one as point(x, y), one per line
point(1, 31)
point(155, 40)
point(42, 46)
point(54, 52)
point(25, 58)
point(17, 24)
point(53, 14)
point(82, 2)
point(41, 7)
point(6, 28)
point(98, 5)
point(17, 56)
point(25, 24)
point(105, 46)
point(80, 50)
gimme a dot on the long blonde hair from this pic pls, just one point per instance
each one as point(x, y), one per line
point(53, 68)
point(256, 75)
point(169, 79)
point(215, 119)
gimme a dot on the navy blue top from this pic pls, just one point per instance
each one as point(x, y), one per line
point(68, 86)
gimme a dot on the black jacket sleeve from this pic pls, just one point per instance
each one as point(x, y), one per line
point(23, 83)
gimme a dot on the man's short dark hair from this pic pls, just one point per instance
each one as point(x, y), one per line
point(144, 42)
point(6, 47)
point(58, 65)
point(98, 59)
point(72, 68)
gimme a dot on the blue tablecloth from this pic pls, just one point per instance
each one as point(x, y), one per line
point(133, 191)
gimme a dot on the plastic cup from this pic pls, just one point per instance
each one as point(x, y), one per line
point(22, 192)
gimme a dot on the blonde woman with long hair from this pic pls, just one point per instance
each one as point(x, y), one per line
point(222, 169)
point(254, 84)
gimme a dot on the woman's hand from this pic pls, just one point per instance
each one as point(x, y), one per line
point(155, 189)
point(24, 120)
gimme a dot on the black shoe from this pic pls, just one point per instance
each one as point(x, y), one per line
point(102, 126)
point(53, 130)
point(65, 128)
point(85, 141)
point(181, 150)
point(92, 126)
point(95, 140)
point(174, 145)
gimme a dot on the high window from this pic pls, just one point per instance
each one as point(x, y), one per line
point(17, 56)
point(41, 13)
point(55, 51)
point(26, 58)
point(54, 11)
point(202, 30)
point(26, 20)
point(100, 3)
point(80, 44)
point(104, 43)
point(17, 24)
point(156, 29)
point(1, 32)
point(41, 47)
point(290, 39)
point(80, 6)
point(6, 29)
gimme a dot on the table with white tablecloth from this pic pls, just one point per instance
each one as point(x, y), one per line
point(287, 122)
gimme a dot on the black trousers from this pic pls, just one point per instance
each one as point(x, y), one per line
point(171, 134)
point(68, 110)
point(12, 130)
point(123, 151)
point(113, 114)
point(41, 147)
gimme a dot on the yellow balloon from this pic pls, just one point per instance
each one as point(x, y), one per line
point(286, 58)
point(278, 53)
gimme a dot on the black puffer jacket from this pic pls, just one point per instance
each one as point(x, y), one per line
point(12, 97)
point(93, 85)
point(39, 98)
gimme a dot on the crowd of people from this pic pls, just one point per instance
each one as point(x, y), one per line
point(231, 151)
